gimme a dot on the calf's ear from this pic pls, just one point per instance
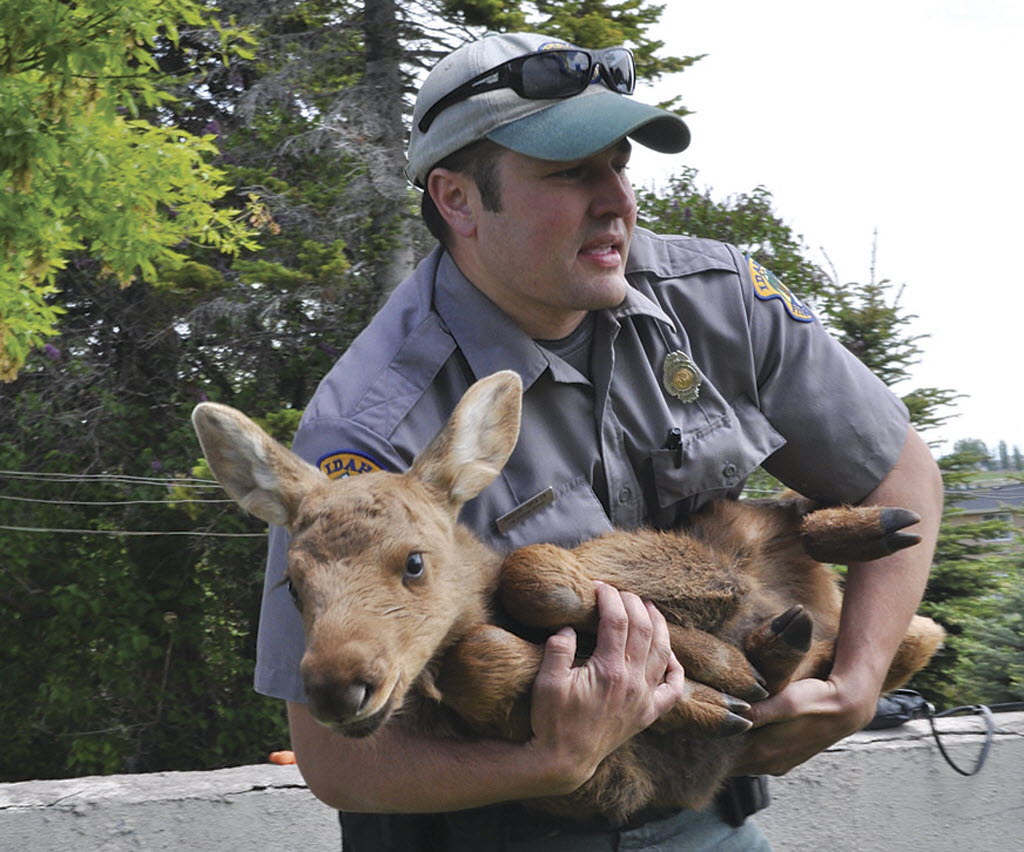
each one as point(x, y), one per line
point(258, 473)
point(472, 448)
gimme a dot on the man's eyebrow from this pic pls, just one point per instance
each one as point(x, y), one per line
point(624, 146)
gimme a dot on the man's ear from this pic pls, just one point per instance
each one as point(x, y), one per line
point(457, 199)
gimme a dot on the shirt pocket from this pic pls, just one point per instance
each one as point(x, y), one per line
point(714, 460)
point(573, 515)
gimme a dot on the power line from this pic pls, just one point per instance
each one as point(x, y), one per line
point(201, 533)
point(101, 478)
point(115, 479)
point(166, 502)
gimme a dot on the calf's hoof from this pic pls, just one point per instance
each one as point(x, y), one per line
point(705, 713)
point(778, 646)
point(847, 534)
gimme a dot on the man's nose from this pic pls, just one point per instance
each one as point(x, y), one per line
point(613, 196)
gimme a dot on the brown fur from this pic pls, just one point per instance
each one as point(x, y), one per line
point(398, 599)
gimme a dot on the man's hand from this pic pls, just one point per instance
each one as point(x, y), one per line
point(805, 718)
point(879, 599)
point(580, 714)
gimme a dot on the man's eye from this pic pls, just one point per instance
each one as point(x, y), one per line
point(571, 173)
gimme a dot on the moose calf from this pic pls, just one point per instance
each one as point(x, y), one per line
point(400, 603)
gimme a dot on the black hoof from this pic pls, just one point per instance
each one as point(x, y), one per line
point(733, 725)
point(794, 627)
point(894, 519)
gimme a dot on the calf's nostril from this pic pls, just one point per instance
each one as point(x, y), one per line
point(339, 701)
point(355, 697)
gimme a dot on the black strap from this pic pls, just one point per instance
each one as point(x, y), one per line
point(902, 705)
point(990, 729)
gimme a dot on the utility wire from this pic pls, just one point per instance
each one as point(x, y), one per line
point(200, 533)
point(111, 502)
point(100, 478)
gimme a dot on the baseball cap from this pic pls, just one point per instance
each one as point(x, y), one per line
point(559, 129)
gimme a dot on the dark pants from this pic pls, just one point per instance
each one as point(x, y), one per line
point(508, 828)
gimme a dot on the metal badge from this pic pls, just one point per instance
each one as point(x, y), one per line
point(681, 377)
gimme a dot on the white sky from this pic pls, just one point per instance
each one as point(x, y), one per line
point(903, 116)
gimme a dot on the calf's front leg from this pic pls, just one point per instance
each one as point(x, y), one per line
point(486, 679)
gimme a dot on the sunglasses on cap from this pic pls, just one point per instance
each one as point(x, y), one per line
point(549, 74)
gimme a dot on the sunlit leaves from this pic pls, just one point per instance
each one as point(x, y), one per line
point(81, 170)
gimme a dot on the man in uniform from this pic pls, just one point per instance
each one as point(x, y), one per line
point(658, 372)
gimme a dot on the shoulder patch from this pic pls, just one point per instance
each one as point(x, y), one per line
point(768, 287)
point(344, 463)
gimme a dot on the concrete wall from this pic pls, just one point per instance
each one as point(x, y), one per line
point(873, 791)
point(893, 790)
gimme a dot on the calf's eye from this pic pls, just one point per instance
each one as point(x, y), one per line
point(414, 566)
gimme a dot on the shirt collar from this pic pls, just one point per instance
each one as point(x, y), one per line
point(637, 304)
point(491, 341)
point(485, 334)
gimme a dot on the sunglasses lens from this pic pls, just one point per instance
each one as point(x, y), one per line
point(619, 69)
point(557, 74)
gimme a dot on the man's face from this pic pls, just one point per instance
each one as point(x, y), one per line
point(557, 247)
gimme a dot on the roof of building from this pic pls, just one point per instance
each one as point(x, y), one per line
point(991, 499)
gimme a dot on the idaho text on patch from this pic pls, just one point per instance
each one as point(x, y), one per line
point(347, 463)
point(767, 287)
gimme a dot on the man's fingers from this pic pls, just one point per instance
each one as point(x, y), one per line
point(635, 640)
point(559, 654)
point(613, 622)
point(640, 635)
point(661, 645)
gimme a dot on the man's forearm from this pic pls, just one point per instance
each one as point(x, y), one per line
point(880, 597)
point(401, 771)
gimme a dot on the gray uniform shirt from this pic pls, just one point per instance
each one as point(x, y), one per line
point(775, 389)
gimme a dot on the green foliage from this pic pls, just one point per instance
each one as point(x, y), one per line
point(980, 458)
point(588, 23)
point(129, 652)
point(125, 652)
point(972, 592)
point(81, 170)
point(991, 645)
point(746, 220)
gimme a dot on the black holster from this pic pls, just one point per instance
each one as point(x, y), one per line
point(479, 830)
point(741, 797)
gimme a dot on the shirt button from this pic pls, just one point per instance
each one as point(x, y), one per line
point(729, 471)
point(624, 495)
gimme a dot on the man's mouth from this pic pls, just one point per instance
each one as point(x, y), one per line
point(607, 251)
